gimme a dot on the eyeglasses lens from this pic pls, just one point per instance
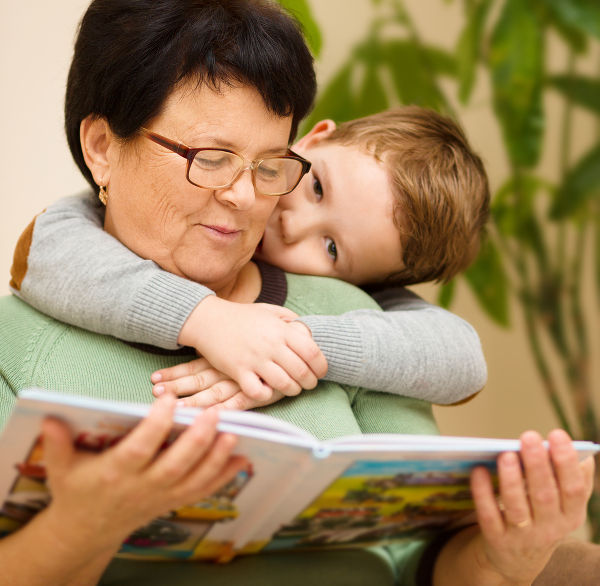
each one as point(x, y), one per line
point(214, 169)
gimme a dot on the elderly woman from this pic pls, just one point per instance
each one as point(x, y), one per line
point(234, 78)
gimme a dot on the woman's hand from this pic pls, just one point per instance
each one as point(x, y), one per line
point(205, 386)
point(99, 499)
point(540, 505)
point(102, 498)
point(259, 346)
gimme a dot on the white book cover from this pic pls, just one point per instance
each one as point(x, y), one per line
point(296, 492)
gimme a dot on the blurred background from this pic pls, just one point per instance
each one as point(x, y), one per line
point(523, 79)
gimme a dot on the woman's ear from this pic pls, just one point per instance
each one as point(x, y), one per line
point(96, 138)
point(318, 132)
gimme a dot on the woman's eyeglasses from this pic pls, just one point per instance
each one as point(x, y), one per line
point(213, 168)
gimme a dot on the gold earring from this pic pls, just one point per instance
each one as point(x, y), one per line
point(102, 195)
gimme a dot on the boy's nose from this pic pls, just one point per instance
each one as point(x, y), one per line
point(294, 226)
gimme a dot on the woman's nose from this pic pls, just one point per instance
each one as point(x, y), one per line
point(240, 194)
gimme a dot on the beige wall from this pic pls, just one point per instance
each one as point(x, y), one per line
point(36, 169)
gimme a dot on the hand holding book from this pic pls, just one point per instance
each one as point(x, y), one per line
point(541, 502)
point(291, 491)
point(195, 466)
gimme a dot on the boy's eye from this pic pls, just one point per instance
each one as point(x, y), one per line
point(331, 248)
point(317, 188)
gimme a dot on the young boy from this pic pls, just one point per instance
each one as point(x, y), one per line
point(392, 199)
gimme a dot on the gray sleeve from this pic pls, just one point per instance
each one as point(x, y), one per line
point(412, 348)
point(81, 275)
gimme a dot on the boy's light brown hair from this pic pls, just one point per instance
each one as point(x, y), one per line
point(439, 185)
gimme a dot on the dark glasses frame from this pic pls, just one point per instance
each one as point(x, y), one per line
point(189, 154)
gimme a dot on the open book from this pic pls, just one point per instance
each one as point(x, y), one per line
point(297, 492)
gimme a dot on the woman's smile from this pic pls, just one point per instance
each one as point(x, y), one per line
point(221, 232)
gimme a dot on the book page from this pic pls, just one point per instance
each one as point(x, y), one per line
point(203, 530)
point(380, 498)
point(437, 445)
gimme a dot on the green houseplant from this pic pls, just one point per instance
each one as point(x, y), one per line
point(541, 228)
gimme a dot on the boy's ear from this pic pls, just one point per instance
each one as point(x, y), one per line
point(96, 138)
point(318, 132)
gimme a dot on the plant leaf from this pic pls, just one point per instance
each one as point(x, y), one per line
point(596, 226)
point(441, 61)
point(468, 47)
point(413, 75)
point(584, 91)
point(572, 35)
point(335, 101)
point(489, 283)
point(446, 294)
point(516, 62)
point(301, 10)
point(581, 184)
point(371, 98)
point(582, 14)
point(514, 214)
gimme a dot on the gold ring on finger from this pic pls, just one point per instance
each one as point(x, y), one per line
point(523, 524)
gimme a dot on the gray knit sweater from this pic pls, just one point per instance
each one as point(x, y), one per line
point(68, 267)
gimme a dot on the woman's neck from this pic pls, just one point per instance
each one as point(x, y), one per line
point(246, 287)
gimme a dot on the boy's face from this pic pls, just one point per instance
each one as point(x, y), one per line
point(338, 222)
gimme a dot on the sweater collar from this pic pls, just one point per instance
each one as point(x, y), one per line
point(274, 284)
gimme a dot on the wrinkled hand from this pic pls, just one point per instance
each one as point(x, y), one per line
point(103, 498)
point(204, 386)
point(257, 345)
point(539, 506)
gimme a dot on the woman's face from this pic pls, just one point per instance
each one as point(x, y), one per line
point(205, 235)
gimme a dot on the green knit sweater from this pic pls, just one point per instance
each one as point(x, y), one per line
point(36, 350)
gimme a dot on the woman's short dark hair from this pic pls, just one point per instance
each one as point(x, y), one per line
point(129, 55)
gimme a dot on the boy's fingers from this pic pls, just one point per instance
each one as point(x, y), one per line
point(512, 491)
point(297, 369)
point(281, 312)
point(488, 514)
point(541, 482)
point(180, 370)
point(253, 385)
point(275, 377)
point(139, 447)
point(299, 340)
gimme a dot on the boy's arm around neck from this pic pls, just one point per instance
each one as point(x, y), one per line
point(412, 348)
point(74, 271)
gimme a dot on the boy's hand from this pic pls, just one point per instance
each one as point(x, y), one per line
point(539, 506)
point(257, 345)
point(204, 386)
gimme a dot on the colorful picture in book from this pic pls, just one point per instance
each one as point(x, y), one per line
point(179, 534)
point(382, 501)
point(28, 494)
point(174, 535)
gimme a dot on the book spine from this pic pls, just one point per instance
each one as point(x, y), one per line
point(277, 498)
